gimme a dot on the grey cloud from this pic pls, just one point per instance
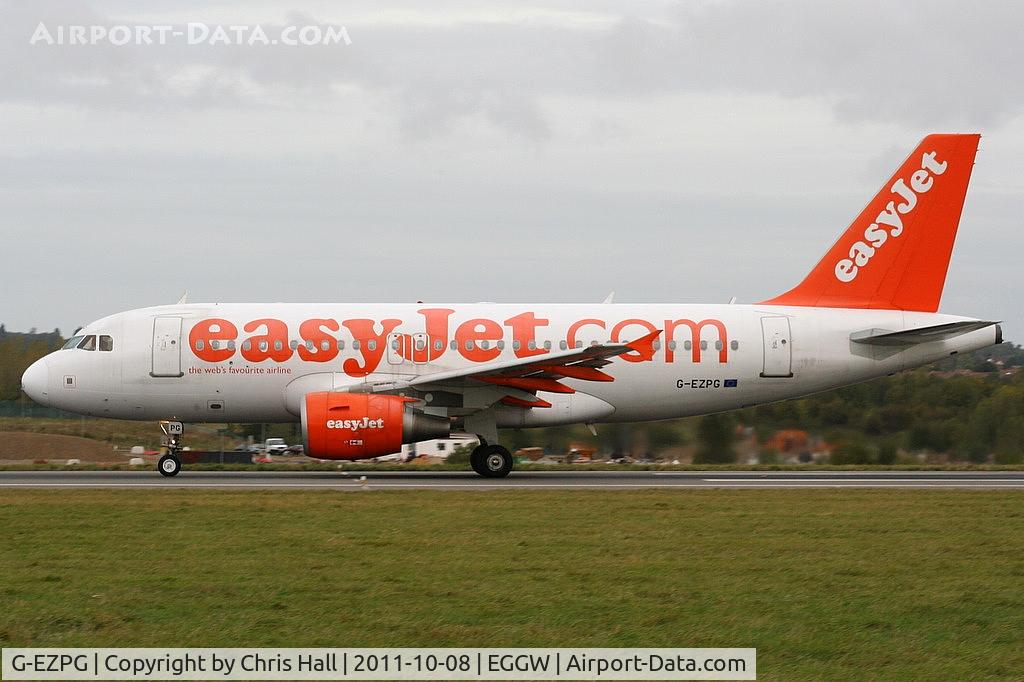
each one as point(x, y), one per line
point(918, 63)
point(929, 64)
point(595, 170)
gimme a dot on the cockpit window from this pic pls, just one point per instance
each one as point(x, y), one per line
point(72, 342)
point(88, 343)
point(106, 343)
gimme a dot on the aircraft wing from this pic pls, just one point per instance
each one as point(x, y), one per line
point(910, 337)
point(522, 378)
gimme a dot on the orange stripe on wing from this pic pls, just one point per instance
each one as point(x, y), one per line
point(577, 372)
point(519, 402)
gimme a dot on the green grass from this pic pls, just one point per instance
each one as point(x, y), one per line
point(827, 584)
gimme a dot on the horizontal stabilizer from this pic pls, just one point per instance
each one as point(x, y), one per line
point(910, 337)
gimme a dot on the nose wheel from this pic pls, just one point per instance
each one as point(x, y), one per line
point(491, 461)
point(170, 464)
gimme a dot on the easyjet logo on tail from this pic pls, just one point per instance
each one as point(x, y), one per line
point(889, 223)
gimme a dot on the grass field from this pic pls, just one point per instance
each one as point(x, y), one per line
point(827, 584)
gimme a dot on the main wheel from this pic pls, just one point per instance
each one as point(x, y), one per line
point(491, 461)
point(169, 465)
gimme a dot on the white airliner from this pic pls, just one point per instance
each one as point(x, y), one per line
point(364, 379)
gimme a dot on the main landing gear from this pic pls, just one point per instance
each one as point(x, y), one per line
point(169, 464)
point(491, 461)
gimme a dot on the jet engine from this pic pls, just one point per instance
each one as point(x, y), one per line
point(364, 425)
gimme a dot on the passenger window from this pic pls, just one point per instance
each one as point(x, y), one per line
point(278, 345)
point(562, 345)
point(293, 344)
point(264, 346)
point(371, 344)
point(688, 345)
point(438, 344)
point(516, 345)
point(671, 345)
point(247, 345)
point(106, 343)
point(703, 345)
point(341, 344)
point(356, 344)
point(501, 345)
point(88, 343)
point(200, 344)
point(718, 345)
point(325, 345)
point(454, 345)
point(735, 345)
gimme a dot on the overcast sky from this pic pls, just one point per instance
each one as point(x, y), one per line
point(494, 150)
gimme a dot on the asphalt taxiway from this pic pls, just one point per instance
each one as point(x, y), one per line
point(610, 480)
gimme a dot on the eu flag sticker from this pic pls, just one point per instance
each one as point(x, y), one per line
point(731, 383)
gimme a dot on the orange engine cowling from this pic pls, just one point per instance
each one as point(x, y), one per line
point(363, 425)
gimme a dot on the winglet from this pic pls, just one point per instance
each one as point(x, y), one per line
point(184, 299)
point(645, 344)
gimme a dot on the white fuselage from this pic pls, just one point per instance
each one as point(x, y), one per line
point(164, 365)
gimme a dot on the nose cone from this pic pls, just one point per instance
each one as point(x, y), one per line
point(35, 382)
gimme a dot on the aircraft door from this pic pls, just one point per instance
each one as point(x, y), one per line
point(396, 345)
point(421, 348)
point(778, 347)
point(166, 347)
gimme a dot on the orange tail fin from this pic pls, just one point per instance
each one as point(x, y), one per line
point(896, 253)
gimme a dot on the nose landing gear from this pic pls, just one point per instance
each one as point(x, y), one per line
point(170, 464)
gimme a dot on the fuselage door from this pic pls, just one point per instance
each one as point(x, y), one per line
point(396, 346)
point(420, 348)
point(166, 347)
point(778, 347)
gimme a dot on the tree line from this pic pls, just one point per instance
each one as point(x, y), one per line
point(17, 352)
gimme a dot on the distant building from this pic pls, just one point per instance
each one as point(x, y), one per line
point(439, 448)
point(789, 442)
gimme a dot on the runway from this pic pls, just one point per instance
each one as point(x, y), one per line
point(581, 480)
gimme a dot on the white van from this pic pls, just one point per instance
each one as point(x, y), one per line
point(275, 446)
